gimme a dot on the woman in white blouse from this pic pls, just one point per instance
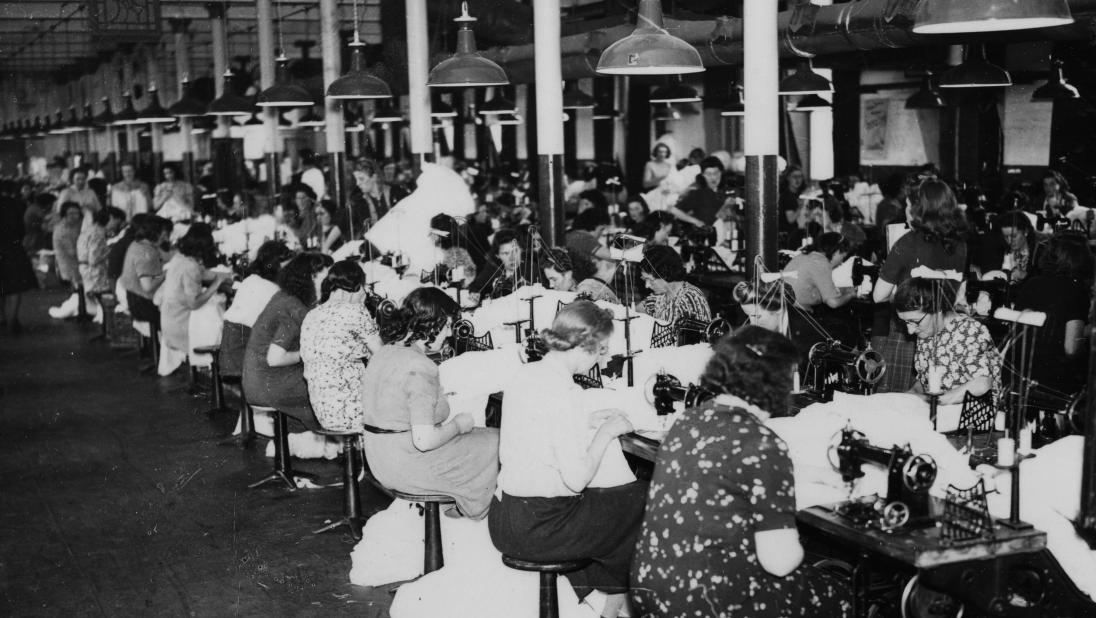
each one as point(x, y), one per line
point(549, 451)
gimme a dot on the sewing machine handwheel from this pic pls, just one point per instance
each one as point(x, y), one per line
point(652, 383)
point(386, 309)
point(895, 515)
point(870, 366)
point(716, 329)
point(817, 351)
point(919, 601)
point(463, 328)
point(835, 441)
point(919, 473)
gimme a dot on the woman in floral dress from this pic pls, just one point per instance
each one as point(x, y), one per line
point(719, 535)
point(336, 337)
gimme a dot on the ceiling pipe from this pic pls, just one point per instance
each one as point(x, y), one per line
point(806, 30)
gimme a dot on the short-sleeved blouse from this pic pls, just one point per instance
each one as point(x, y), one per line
point(814, 281)
point(333, 343)
point(720, 478)
point(92, 252)
point(688, 301)
point(143, 259)
point(280, 387)
point(910, 251)
point(965, 349)
point(181, 288)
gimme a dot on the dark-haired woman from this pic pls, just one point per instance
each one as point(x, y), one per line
point(93, 253)
point(658, 168)
point(550, 449)
point(184, 288)
point(457, 261)
point(420, 451)
point(954, 344)
point(671, 297)
point(1057, 200)
point(250, 298)
point(329, 233)
point(568, 271)
point(792, 186)
point(936, 240)
point(719, 535)
point(174, 197)
point(816, 294)
point(273, 375)
point(335, 337)
point(143, 268)
point(65, 236)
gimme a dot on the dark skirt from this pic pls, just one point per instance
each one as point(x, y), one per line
point(897, 349)
point(599, 524)
point(16, 272)
point(143, 309)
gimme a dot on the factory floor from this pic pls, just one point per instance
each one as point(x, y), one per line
point(116, 499)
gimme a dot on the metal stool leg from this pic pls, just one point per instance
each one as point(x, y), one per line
point(283, 470)
point(433, 560)
point(217, 386)
point(352, 509)
point(549, 603)
point(247, 434)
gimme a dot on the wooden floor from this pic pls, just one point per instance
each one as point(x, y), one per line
point(116, 499)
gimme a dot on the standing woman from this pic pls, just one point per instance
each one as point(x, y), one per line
point(550, 449)
point(184, 278)
point(411, 446)
point(719, 536)
point(92, 250)
point(65, 236)
point(336, 337)
point(658, 168)
point(273, 373)
point(936, 240)
point(173, 198)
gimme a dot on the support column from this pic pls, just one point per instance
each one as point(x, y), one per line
point(333, 116)
point(762, 131)
point(220, 62)
point(272, 146)
point(549, 101)
point(182, 69)
point(418, 71)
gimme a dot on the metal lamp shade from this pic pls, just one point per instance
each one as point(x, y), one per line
point(649, 49)
point(928, 97)
point(575, 98)
point(605, 112)
point(497, 106)
point(812, 103)
point(1056, 87)
point(674, 93)
point(283, 93)
point(128, 115)
point(188, 106)
point(957, 16)
point(154, 113)
point(106, 118)
point(805, 81)
point(666, 113)
point(976, 72)
point(441, 109)
point(60, 127)
point(736, 106)
point(385, 114)
point(466, 68)
point(358, 83)
point(230, 103)
point(311, 120)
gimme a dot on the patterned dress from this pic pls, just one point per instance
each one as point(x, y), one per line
point(686, 301)
point(334, 339)
point(966, 351)
point(720, 478)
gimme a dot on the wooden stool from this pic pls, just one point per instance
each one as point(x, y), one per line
point(216, 382)
point(283, 469)
point(549, 602)
point(433, 558)
point(352, 506)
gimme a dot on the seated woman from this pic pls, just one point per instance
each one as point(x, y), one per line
point(329, 233)
point(671, 297)
point(957, 344)
point(656, 228)
point(457, 261)
point(636, 213)
point(411, 446)
point(766, 303)
point(719, 536)
point(251, 297)
point(568, 271)
point(143, 269)
point(336, 337)
point(66, 234)
point(183, 289)
point(93, 252)
point(550, 450)
point(273, 374)
point(816, 294)
point(1010, 246)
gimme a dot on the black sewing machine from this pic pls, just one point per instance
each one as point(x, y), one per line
point(834, 366)
point(667, 390)
point(909, 478)
point(860, 271)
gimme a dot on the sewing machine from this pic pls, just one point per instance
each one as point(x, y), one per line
point(667, 389)
point(834, 366)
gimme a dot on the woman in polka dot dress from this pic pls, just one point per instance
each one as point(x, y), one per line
point(719, 535)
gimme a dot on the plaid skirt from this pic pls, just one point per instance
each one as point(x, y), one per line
point(897, 349)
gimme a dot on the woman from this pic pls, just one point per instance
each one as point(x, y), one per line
point(766, 303)
point(671, 297)
point(1061, 289)
point(458, 263)
point(956, 344)
point(568, 271)
point(892, 209)
point(791, 187)
point(328, 231)
point(184, 278)
point(550, 449)
point(1016, 236)
point(173, 198)
point(143, 269)
point(816, 295)
point(936, 240)
point(336, 337)
point(65, 236)
point(703, 204)
point(719, 536)
point(93, 253)
point(658, 168)
point(249, 300)
point(414, 449)
point(637, 212)
point(657, 228)
point(273, 375)
point(1057, 201)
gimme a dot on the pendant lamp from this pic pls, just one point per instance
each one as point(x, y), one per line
point(666, 113)
point(649, 49)
point(497, 105)
point(1056, 86)
point(976, 72)
point(466, 68)
point(106, 118)
point(154, 113)
point(203, 124)
point(605, 112)
point(254, 120)
point(311, 120)
point(59, 127)
point(188, 106)
point(74, 125)
point(441, 109)
point(85, 124)
point(736, 105)
point(230, 103)
point(805, 81)
point(575, 98)
point(928, 97)
point(385, 113)
point(357, 83)
point(812, 103)
point(511, 119)
point(957, 16)
point(675, 92)
point(283, 93)
point(128, 115)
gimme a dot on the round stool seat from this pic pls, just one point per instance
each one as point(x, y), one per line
point(266, 409)
point(207, 349)
point(336, 433)
point(562, 566)
point(435, 498)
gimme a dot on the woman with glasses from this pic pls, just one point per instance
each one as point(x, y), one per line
point(550, 449)
point(955, 345)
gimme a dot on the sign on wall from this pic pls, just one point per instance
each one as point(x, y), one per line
point(873, 129)
point(1025, 125)
point(124, 21)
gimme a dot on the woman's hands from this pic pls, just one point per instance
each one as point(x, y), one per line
point(613, 422)
point(464, 422)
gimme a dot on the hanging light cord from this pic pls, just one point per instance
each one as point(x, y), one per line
point(357, 39)
point(278, 21)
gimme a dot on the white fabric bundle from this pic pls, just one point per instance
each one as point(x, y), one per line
point(204, 328)
point(469, 379)
point(71, 307)
point(842, 276)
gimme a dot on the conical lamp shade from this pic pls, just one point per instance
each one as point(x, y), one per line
point(736, 105)
point(674, 93)
point(605, 112)
point(202, 124)
point(510, 119)
point(812, 103)
point(73, 124)
point(254, 120)
point(1056, 86)
point(154, 113)
point(230, 103)
point(358, 83)
point(283, 93)
point(106, 118)
point(441, 109)
point(384, 114)
point(805, 81)
point(928, 97)
point(649, 49)
point(497, 106)
point(59, 127)
point(956, 16)
point(976, 72)
point(575, 98)
point(311, 119)
point(188, 106)
point(666, 113)
point(466, 68)
point(128, 115)
point(86, 123)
